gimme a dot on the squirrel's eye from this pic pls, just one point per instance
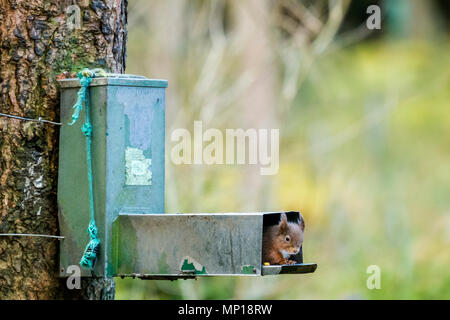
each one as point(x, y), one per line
point(288, 238)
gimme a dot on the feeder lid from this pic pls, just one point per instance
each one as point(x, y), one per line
point(116, 79)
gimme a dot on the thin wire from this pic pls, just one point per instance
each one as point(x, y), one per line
point(30, 119)
point(29, 235)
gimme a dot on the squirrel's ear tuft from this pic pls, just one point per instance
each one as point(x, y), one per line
point(283, 223)
point(301, 222)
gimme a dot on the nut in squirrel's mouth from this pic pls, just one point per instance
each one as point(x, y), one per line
point(286, 254)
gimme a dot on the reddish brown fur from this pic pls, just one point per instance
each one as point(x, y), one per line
point(274, 240)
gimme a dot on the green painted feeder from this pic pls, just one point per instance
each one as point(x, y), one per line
point(137, 238)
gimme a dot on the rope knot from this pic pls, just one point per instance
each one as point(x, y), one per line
point(86, 73)
point(92, 229)
point(87, 129)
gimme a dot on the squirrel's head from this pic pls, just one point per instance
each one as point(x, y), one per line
point(290, 235)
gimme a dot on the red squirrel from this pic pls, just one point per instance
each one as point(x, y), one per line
point(282, 240)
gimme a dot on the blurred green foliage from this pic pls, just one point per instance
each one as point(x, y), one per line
point(365, 155)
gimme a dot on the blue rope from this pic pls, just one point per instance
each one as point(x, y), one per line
point(92, 249)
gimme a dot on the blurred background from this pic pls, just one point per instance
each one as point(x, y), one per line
point(364, 120)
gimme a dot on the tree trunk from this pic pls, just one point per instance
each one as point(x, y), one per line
point(37, 44)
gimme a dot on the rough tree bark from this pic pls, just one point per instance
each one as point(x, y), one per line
point(37, 44)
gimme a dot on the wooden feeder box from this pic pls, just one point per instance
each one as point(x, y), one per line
point(137, 238)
